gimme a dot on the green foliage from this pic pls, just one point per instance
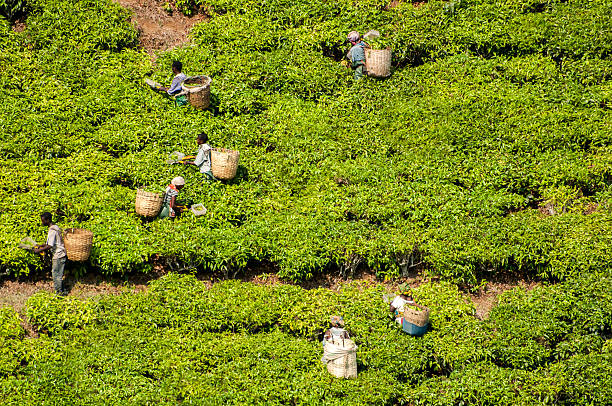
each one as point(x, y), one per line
point(240, 343)
point(10, 333)
point(10, 323)
point(101, 26)
point(496, 117)
point(52, 313)
point(551, 323)
point(13, 8)
point(487, 151)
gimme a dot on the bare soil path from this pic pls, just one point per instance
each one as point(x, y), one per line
point(159, 29)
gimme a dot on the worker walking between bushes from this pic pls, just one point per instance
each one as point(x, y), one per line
point(203, 158)
point(54, 245)
point(397, 306)
point(170, 207)
point(356, 55)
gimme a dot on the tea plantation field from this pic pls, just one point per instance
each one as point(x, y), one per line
point(488, 149)
point(238, 343)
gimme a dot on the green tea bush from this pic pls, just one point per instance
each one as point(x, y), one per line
point(10, 324)
point(52, 313)
point(13, 8)
point(235, 342)
point(486, 151)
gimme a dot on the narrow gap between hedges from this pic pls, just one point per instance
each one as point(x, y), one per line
point(15, 292)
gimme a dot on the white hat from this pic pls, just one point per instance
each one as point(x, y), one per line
point(178, 181)
point(353, 36)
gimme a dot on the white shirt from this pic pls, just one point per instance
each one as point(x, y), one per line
point(202, 160)
point(175, 86)
point(54, 239)
point(399, 303)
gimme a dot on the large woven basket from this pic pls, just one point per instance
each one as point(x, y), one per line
point(78, 243)
point(148, 204)
point(346, 365)
point(417, 317)
point(224, 163)
point(378, 62)
point(197, 90)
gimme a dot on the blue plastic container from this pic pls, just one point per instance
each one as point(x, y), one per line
point(413, 329)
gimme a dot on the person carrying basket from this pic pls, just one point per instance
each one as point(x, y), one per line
point(403, 303)
point(202, 160)
point(339, 351)
point(356, 55)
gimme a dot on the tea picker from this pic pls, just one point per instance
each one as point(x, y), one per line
point(175, 88)
point(170, 207)
point(213, 163)
point(202, 160)
point(336, 331)
point(339, 351)
point(55, 246)
point(356, 55)
point(413, 317)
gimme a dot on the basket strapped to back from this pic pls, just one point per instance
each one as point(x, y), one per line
point(197, 90)
point(378, 62)
point(148, 204)
point(77, 242)
point(341, 357)
point(224, 163)
point(418, 317)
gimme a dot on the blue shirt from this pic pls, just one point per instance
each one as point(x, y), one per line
point(175, 86)
point(357, 52)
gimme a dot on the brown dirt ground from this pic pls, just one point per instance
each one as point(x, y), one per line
point(159, 30)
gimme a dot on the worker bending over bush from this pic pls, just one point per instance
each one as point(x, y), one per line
point(170, 207)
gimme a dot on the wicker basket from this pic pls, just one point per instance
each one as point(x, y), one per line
point(148, 204)
point(346, 365)
point(378, 62)
point(224, 163)
point(416, 317)
point(78, 243)
point(198, 95)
